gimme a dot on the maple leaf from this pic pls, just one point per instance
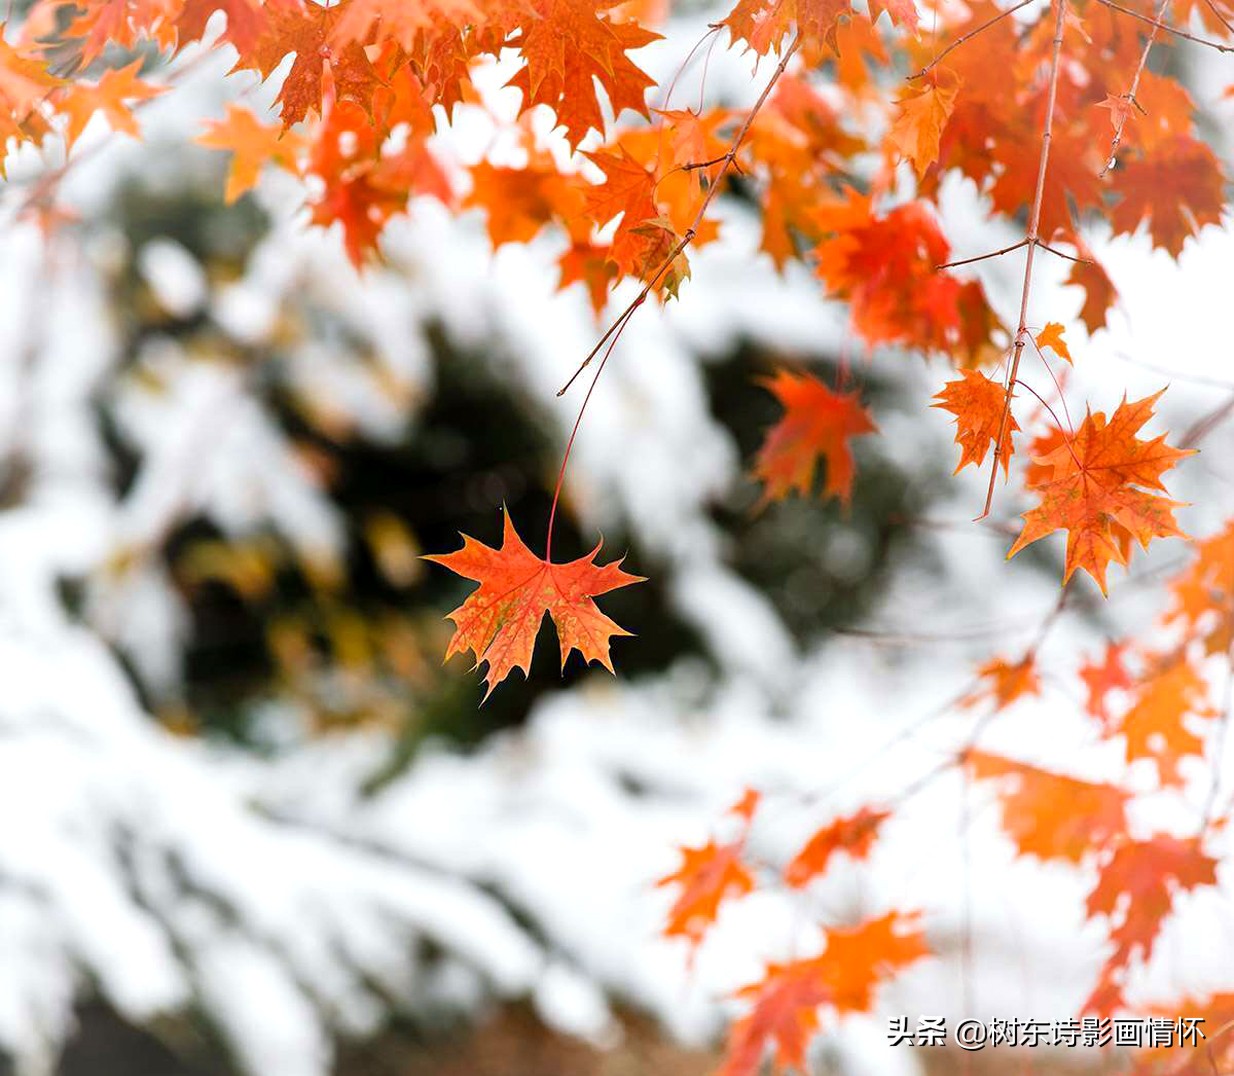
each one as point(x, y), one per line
point(628, 190)
point(1099, 291)
point(107, 96)
point(567, 47)
point(122, 22)
point(1100, 680)
point(1135, 892)
point(923, 113)
point(708, 875)
point(1003, 682)
point(246, 21)
point(817, 423)
point(887, 268)
point(978, 403)
point(1156, 724)
point(854, 834)
point(24, 83)
point(1050, 815)
point(520, 201)
point(764, 24)
point(307, 31)
point(1052, 337)
point(589, 264)
point(1104, 478)
point(252, 144)
point(785, 1003)
point(1204, 592)
point(500, 619)
point(1177, 189)
point(403, 22)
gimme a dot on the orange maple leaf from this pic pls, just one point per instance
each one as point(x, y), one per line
point(24, 82)
point(568, 47)
point(1100, 680)
point(708, 875)
point(1003, 682)
point(499, 621)
point(1156, 724)
point(307, 31)
point(1177, 189)
point(763, 24)
point(978, 403)
point(786, 1001)
point(854, 834)
point(520, 201)
point(923, 113)
point(817, 423)
point(1101, 490)
point(252, 144)
point(1204, 592)
point(1052, 337)
point(1135, 892)
point(108, 96)
point(1050, 815)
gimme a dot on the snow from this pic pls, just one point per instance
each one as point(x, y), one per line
point(290, 905)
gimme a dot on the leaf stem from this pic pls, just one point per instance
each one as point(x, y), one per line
point(1031, 240)
point(965, 37)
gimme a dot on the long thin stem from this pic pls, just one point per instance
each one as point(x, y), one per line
point(1129, 96)
point(1166, 27)
point(1031, 238)
point(725, 162)
point(965, 37)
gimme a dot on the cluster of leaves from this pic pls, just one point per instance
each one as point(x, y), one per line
point(1154, 702)
point(1055, 118)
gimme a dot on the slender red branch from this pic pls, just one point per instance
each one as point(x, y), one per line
point(966, 37)
point(1034, 224)
point(1167, 28)
point(1129, 96)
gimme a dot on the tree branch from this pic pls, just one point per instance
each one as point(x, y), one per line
point(1034, 223)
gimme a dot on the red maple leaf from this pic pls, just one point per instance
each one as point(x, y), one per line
point(500, 619)
point(817, 425)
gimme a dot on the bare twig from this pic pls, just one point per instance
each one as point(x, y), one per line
point(965, 37)
point(713, 189)
point(1129, 96)
point(1166, 27)
point(1034, 223)
point(983, 257)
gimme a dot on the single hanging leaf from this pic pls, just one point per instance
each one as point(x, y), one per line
point(1157, 725)
point(1135, 892)
point(1002, 682)
point(499, 621)
point(923, 113)
point(785, 1003)
point(109, 95)
point(708, 876)
point(854, 834)
point(978, 403)
point(1100, 680)
point(1102, 491)
point(817, 424)
point(252, 145)
point(1052, 337)
point(1177, 189)
point(1050, 815)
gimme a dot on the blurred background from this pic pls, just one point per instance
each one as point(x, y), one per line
point(253, 825)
